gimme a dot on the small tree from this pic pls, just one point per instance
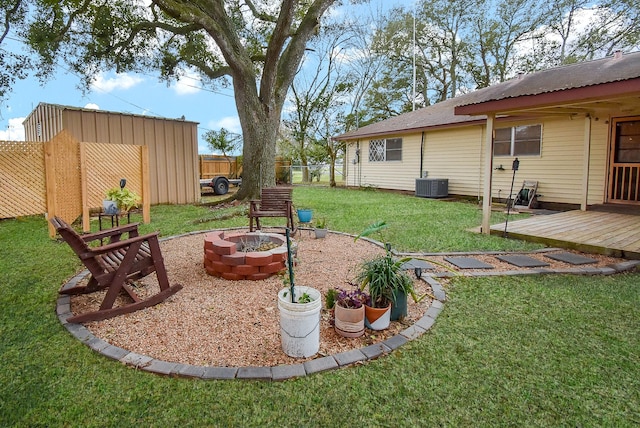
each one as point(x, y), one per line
point(223, 141)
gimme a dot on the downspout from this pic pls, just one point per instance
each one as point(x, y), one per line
point(586, 155)
point(421, 154)
point(356, 166)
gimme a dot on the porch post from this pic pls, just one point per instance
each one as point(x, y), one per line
point(488, 175)
point(586, 154)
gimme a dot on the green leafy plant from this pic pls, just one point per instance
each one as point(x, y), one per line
point(384, 275)
point(322, 223)
point(385, 278)
point(123, 197)
point(330, 298)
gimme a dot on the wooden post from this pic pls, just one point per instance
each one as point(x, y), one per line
point(86, 219)
point(146, 188)
point(586, 154)
point(50, 183)
point(488, 176)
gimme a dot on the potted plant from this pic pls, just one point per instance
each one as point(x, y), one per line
point(388, 286)
point(349, 311)
point(120, 199)
point(321, 228)
point(387, 282)
point(299, 314)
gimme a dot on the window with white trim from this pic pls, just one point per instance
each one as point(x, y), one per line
point(389, 149)
point(518, 141)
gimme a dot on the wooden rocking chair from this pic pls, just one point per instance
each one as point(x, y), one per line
point(113, 265)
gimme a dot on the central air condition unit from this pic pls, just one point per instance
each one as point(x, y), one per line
point(432, 187)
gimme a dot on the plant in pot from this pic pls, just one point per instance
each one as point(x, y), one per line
point(120, 199)
point(349, 311)
point(321, 228)
point(299, 314)
point(388, 284)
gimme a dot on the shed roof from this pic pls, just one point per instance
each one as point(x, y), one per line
point(65, 107)
point(572, 86)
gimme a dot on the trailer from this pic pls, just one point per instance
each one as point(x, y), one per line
point(220, 184)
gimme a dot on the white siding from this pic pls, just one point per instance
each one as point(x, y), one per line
point(598, 161)
point(397, 175)
point(456, 154)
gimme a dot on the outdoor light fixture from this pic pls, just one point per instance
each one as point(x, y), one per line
point(123, 182)
point(418, 272)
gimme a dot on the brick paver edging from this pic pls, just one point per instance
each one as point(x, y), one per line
point(278, 373)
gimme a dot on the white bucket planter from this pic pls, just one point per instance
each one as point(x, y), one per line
point(300, 322)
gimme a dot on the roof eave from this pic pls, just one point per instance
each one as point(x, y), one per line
point(478, 121)
point(595, 92)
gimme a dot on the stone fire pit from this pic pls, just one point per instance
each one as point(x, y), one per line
point(244, 255)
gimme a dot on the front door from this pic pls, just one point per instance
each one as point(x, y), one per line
point(624, 172)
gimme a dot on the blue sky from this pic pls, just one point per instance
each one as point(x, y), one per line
point(129, 93)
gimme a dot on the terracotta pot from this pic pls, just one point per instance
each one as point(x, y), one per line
point(377, 318)
point(349, 321)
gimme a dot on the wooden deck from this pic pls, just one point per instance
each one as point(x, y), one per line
point(590, 231)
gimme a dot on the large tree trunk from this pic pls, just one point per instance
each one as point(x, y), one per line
point(260, 124)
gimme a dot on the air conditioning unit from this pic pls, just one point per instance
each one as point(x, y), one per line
point(432, 187)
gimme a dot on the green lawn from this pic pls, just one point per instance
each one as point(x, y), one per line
point(517, 351)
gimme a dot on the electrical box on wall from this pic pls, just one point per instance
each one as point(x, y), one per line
point(432, 187)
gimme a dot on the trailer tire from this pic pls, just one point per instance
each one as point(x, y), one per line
point(221, 186)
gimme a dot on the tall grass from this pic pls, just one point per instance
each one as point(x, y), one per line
point(528, 351)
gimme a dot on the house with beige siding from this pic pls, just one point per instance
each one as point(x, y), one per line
point(172, 143)
point(575, 130)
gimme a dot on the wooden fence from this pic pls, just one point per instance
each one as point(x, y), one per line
point(210, 166)
point(67, 178)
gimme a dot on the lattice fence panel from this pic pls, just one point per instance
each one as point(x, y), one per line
point(106, 164)
point(22, 179)
point(67, 179)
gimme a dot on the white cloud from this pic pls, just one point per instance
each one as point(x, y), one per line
point(189, 83)
point(120, 81)
point(230, 123)
point(92, 106)
point(15, 130)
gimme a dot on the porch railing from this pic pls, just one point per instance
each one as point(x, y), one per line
point(624, 185)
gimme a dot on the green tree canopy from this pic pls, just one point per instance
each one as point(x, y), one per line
point(255, 45)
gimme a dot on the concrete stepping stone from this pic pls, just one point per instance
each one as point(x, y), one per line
point(468, 263)
point(417, 263)
point(522, 261)
point(571, 258)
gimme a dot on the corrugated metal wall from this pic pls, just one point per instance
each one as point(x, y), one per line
point(173, 144)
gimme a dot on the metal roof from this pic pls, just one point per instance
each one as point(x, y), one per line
point(610, 77)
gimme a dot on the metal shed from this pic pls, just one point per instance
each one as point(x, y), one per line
point(172, 143)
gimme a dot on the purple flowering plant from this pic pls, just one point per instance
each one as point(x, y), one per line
point(354, 298)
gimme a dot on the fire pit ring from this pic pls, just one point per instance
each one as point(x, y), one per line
point(244, 255)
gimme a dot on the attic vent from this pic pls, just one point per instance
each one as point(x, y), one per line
point(432, 187)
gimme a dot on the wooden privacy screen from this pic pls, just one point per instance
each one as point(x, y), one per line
point(22, 179)
point(65, 178)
